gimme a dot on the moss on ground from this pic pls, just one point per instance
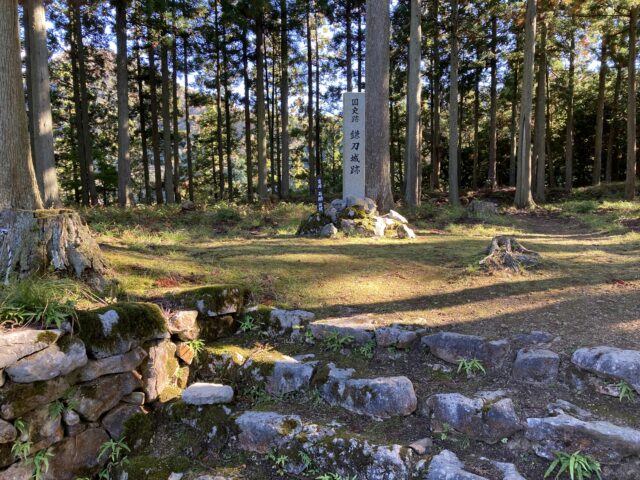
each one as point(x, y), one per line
point(144, 467)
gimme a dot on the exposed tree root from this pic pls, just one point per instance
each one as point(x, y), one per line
point(506, 253)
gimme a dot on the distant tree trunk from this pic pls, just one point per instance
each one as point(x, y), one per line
point(310, 135)
point(349, 40)
point(435, 130)
point(360, 41)
point(219, 144)
point(550, 163)
point(175, 111)
point(269, 100)
point(613, 127)
point(493, 135)
point(187, 119)
point(453, 108)
point(40, 103)
point(124, 165)
point(247, 115)
point(541, 123)
point(602, 80)
point(414, 92)
point(476, 126)
point(523, 198)
point(27, 62)
point(143, 128)
point(262, 141)
point(377, 178)
point(284, 98)
point(155, 130)
point(318, 144)
point(166, 125)
point(227, 114)
point(513, 131)
point(630, 185)
point(568, 146)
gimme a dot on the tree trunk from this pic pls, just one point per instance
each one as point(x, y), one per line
point(247, 115)
point(613, 125)
point(414, 91)
point(453, 108)
point(476, 126)
point(40, 103)
point(630, 184)
point(175, 111)
point(262, 141)
point(310, 136)
point(348, 40)
point(166, 124)
point(602, 80)
point(27, 63)
point(227, 114)
point(187, 119)
point(284, 99)
point(124, 166)
point(155, 131)
point(435, 108)
point(493, 135)
point(550, 163)
point(270, 105)
point(523, 198)
point(377, 181)
point(143, 128)
point(568, 147)
point(318, 145)
point(360, 42)
point(220, 146)
point(513, 131)
point(541, 122)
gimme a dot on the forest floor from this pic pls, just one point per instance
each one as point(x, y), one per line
point(586, 291)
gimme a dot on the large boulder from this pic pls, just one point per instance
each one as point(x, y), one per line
point(17, 344)
point(451, 347)
point(261, 432)
point(97, 397)
point(611, 362)
point(108, 366)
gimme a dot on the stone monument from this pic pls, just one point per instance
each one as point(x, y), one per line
point(353, 169)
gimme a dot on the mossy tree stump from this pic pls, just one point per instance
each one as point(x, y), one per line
point(37, 241)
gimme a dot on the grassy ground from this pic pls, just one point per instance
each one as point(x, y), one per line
point(587, 291)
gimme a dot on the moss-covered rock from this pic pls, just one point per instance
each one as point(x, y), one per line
point(16, 399)
point(155, 468)
point(313, 224)
point(117, 328)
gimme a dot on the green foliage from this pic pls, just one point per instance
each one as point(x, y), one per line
point(41, 464)
point(575, 465)
point(470, 366)
point(197, 346)
point(56, 409)
point(114, 450)
point(626, 392)
point(278, 462)
point(335, 341)
point(21, 449)
point(248, 324)
point(335, 476)
point(367, 350)
point(257, 394)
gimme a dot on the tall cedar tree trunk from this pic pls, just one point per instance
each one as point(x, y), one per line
point(630, 184)
point(220, 146)
point(310, 136)
point(87, 163)
point(247, 114)
point(227, 114)
point(269, 100)
point(359, 49)
point(187, 119)
point(541, 123)
point(166, 122)
point(40, 103)
point(155, 130)
point(550, 164)
point(124, 165)
point(318, 145)
point(377, 179)
point(414, 91)
point(435, 108)
point(175, 111)
point(284, 99)
point(602, 80)
point(523, 198)
point(349, 39)
point(453, 108)
point(613, 126)
point(513, 137)
point(493, 135)
point(143, 127)
point(27, 61)
point(476, 124)
point(568, 146)
point(262, 140)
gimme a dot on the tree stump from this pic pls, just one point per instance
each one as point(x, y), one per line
point(506, 253)
point(57, 240)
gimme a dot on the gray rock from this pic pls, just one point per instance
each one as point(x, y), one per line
point(18, 471)
point(338, 204)
point(405, 232)
point(451, 347)
point(43, 429)
point(113, 422)
point(110, 365)
point(134, 398)
point(263, 431)
point(485, 420)
point(49, 363)
point(70, 418)
point(76, 456)
point(508, 470)
point(379, 227)
point(563, 407)
point(288, 376)
point(17, 344)
point(360, 327)
point(447, 466)
point(395, 336)
point(482, 207)
point(369, 205)
point(16, 399)
point(535, 337)
point(158, 368)
point(395, 216)
point(612, 362)
point(287, 320)
point(348, 227)
point(97, 397)
point(8, 433)
point(604, 441)
point(183, 324)
point(207, 394)
point(328, 231)
point(421, 446)
point(536, 366)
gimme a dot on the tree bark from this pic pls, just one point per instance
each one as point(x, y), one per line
point(360, 42)
point(630, 184)
point(377, 179)
point(476, 126)
point(523, 198)
point(414, 92)
point(568, 147)
point(318, 144)
point(613, 126)
point(220, 146)
point(602, 80)
point(493, 135)
point(166, 123)
point(247, 115)
point(155, 130)
point(124, 165)
point(310, 135)
point(284, 99)
point(40, 103)
point(453, 108)
point(187, 119)
point(435, 108)
point(262, 141)
point(349, 40)
point(513, 131)
point(175, 111)
point(143, 128)
point(541, 123)
point(227, 114)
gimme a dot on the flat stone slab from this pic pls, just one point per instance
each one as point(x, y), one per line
point(261, 432)
point(360, 327)
point(604, 441)
point(395, 336)
point(536, 366)
point(287, 320)
point(451, 347)
point(207, 394)
point(289, 375)
point(49, 363)
point(110, 365)
point(17, 344)
point(610, 361)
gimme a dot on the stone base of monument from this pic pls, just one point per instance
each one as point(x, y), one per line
point(355, 217)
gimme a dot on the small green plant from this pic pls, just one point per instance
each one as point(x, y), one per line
point(41, 464)
point(248, 324)
point(308, 336)
point(367, 350)
point(335, 476)
point(446, 429)
point(576, 465)
point(307, 463)
point(257, 394)
point(626, 392)
point(335, 341)
point(56, 409)
point(279, 462)
point(470, 366)
point(197, 347)
point(21, 449)
point(114, 450)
